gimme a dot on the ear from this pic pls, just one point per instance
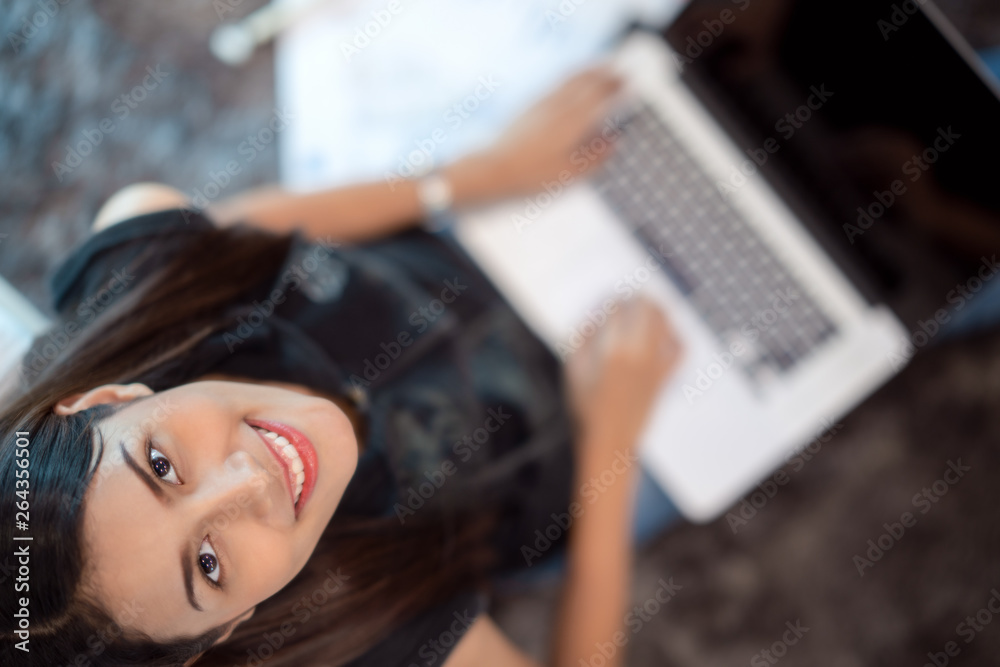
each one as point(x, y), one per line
point(105, 394)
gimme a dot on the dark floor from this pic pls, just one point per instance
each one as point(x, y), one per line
point(793, 562)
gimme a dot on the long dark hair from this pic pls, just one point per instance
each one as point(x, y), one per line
point(375, 573)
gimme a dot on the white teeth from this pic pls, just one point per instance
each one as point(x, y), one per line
point(291, 455)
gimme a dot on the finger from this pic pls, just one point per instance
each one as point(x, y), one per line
point(668, 343)
point(595, 158)
point(650, 327)
point(578, 372)
point(590, 76)
point(595, 119)
point(593, 101)
point(586, 91)
point(585, 358)
point(631, 324)
point(608, 333)
point(654, 316)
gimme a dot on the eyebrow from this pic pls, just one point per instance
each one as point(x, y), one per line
point(186, 552)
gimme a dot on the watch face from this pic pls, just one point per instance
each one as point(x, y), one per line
point(435, 193)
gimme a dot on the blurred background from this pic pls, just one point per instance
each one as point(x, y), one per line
point(138, 82)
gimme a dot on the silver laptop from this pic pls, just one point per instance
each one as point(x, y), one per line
point(787, 305)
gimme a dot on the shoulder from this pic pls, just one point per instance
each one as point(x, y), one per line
point(143, 224)
point(138, 199)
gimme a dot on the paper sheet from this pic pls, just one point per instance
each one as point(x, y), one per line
point(375, 88)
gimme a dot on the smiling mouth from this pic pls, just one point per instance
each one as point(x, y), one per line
point(296, 455)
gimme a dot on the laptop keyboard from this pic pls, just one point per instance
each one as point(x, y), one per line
point(712, 255)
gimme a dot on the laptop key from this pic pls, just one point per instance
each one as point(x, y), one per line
point(710, 253)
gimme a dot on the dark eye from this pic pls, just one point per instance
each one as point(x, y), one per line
point(208, 561)
point(160, 464)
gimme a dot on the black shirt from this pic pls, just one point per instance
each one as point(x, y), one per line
point(456, 391)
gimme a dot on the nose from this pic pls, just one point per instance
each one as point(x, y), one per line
point(240, 488)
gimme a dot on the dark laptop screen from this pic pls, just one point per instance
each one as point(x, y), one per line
point(871, 124)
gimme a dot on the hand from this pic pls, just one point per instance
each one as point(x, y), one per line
point(615, 376)
point(561, 137)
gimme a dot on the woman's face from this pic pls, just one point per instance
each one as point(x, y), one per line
point(196, 532)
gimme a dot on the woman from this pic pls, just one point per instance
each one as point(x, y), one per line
point(247, 446)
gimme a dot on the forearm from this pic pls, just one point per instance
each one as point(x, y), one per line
point(541, 147)
point(356, 212)
point(599, 556)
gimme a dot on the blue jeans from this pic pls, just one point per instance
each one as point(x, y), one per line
point(992, 59)
point(980, 312)
point(653, 514)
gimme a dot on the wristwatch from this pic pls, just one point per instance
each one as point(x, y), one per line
point(434, 192)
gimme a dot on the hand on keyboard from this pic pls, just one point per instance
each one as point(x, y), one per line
point(617, 374)
point(563, 136)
